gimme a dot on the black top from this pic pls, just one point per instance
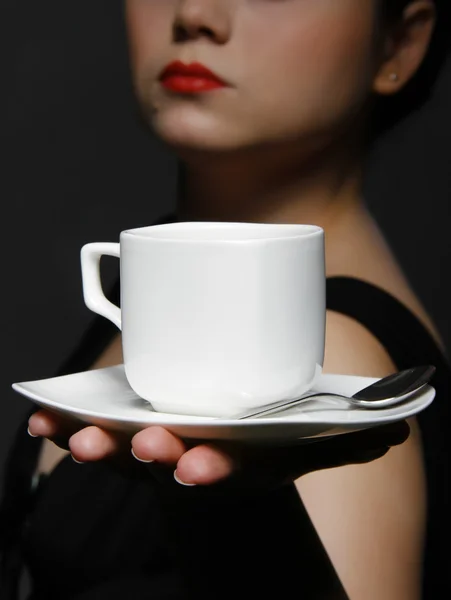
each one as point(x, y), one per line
point(89, 532)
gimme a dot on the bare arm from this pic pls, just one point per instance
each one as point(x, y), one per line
point(370, 517)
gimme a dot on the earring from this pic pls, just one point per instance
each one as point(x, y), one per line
point(393, 77)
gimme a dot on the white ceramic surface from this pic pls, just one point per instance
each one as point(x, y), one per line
point(104, 397)
point(216, 318)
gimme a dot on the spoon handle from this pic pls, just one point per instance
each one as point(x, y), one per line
point(275, 407)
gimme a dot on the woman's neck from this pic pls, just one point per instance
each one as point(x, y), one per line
point(272, 184)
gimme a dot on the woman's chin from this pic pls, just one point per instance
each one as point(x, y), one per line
point(197, 142)
point(201, 137)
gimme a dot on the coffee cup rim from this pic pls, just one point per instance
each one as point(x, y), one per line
point(282, 231)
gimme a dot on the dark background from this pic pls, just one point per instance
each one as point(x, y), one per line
point(77, 166)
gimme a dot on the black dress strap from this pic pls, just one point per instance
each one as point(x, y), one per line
point(394, 325)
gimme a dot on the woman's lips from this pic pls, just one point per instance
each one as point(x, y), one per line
point(190, 79)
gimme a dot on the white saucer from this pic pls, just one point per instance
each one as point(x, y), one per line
point(103, 397)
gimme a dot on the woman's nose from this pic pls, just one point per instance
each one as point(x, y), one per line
point(203, 18)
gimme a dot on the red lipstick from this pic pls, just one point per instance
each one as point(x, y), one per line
point(189, 79)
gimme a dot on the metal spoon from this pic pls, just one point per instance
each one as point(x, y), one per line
point(385, 392)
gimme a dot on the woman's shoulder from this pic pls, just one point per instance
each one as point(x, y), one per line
point(352, 349)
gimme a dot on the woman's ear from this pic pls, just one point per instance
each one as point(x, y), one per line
point(405, 47)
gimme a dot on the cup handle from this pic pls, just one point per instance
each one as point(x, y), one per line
point(93, 294)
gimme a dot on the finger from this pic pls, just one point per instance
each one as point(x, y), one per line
point(351, 448)
point(330, 458)
point(286, 463)
point(45, 423)
point(53, 426)
point(393, 434)
point(157, 444)
point(204, 465)
point(93, 444)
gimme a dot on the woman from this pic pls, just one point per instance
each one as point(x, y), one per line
point(281, 140)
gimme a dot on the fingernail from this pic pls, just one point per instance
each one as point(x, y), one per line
point(77, 461)
point(178, 480)
point(32, 435)
point(141, 459)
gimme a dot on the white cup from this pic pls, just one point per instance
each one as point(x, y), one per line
point(216, 318)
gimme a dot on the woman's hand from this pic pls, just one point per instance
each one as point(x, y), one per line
point(210, 463)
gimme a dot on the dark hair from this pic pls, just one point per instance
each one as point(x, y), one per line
point(390, 110)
